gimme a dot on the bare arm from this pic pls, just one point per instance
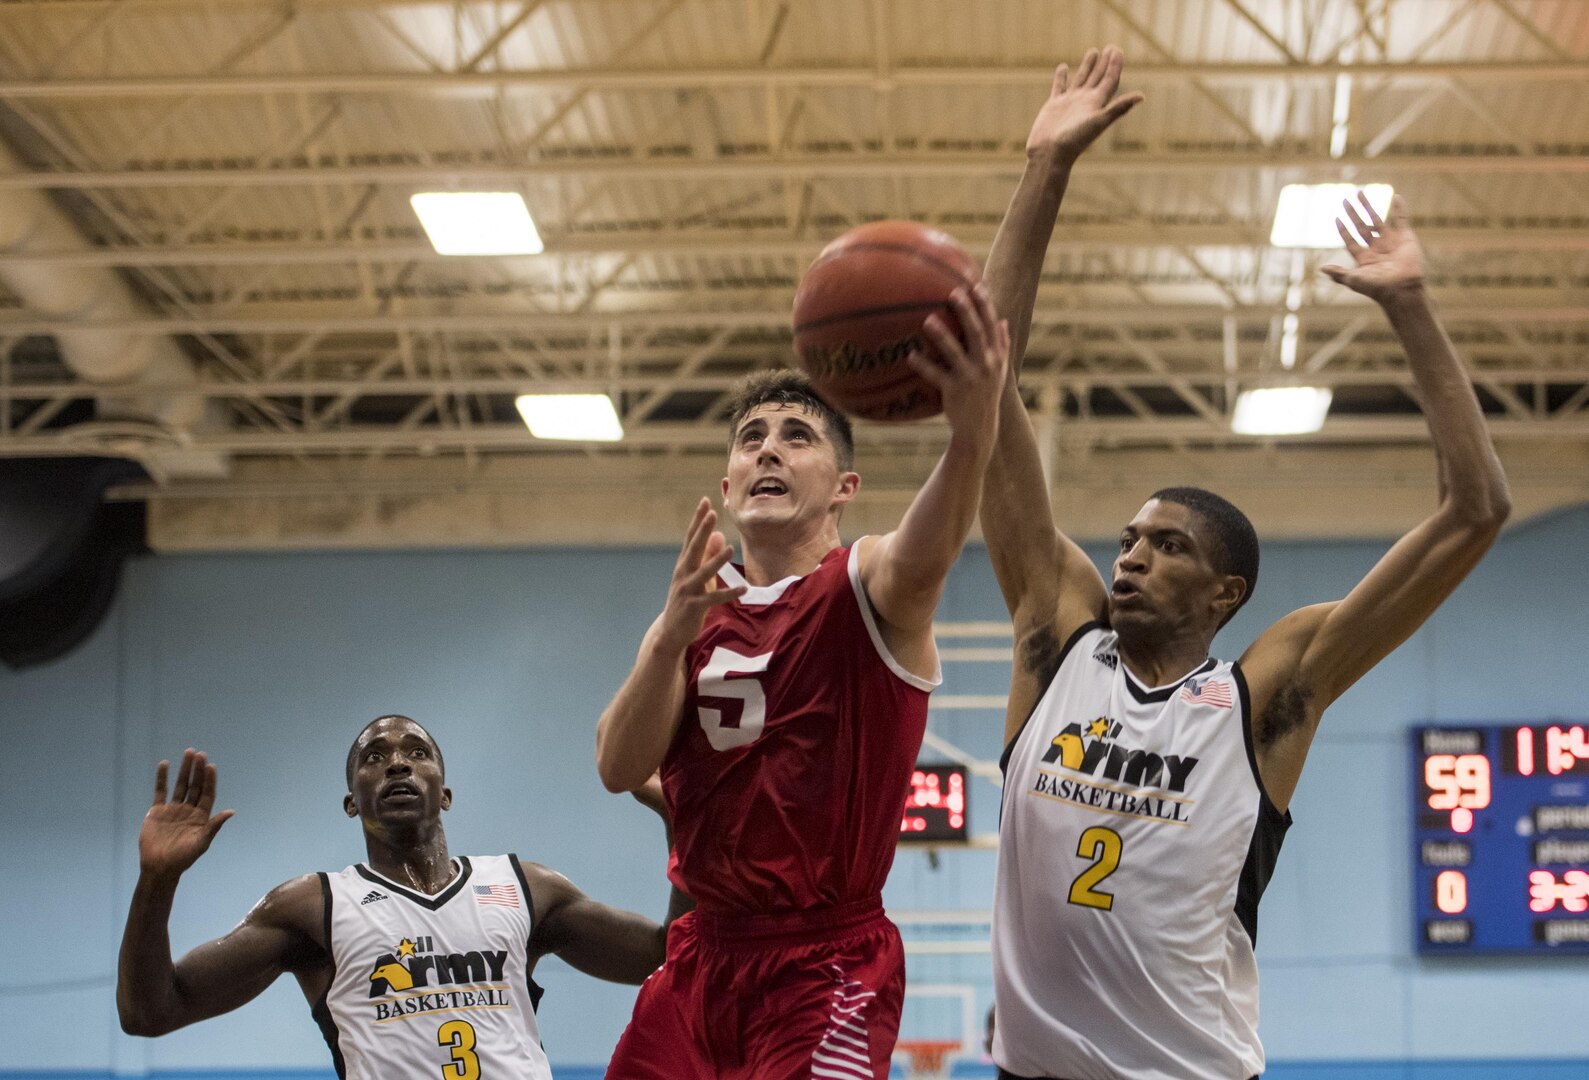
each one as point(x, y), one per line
point(638, 725)
point(904, 571)
point(1049, 584)
point(1307, 660)
point(154, 995)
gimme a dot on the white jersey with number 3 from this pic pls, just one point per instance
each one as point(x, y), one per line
point(432, 987)
point(1134, 841)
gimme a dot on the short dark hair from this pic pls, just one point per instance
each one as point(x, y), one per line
point(784, 387)
point(353, 750)
point(1235, 547)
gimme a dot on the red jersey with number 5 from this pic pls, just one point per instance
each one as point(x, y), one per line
point(787, 778)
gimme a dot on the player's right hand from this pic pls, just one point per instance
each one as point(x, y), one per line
point(693, 591)
point(1080, 109)
point(177, 831)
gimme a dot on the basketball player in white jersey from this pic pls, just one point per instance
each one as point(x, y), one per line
point(414, 961)
point(1146, 783)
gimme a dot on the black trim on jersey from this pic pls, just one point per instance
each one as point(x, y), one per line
point(1147, 697)
point(1064, 654)
point(535, 989)
point(320, 1011)
point(1268, 829)
point(408, 894)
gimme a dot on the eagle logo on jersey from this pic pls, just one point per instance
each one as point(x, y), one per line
point(1091, 748)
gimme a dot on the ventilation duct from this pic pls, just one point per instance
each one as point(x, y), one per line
point(150, 424)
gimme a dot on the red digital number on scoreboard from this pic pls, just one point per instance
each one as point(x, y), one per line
point(935, 805)
point(1459, 783)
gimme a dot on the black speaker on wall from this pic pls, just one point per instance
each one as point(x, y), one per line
point(61, 551)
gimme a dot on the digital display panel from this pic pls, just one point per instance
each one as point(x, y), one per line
point(1501, 839)
point(935, 805)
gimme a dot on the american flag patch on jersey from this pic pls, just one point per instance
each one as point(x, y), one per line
point(499, 895)
point(1206, 692)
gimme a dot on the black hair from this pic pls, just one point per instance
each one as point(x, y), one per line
point(357, 739)
point(1235, 547)
point(785, 387)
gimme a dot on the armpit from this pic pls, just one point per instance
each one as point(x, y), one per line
point(1287, 712)
point(1041, 653)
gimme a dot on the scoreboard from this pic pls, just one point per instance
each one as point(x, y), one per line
point(935, 805)
point(1501, 839)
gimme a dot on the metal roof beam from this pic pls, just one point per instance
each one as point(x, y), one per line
point(1153, 235)
point(795, 168)
point(228, 322)
point(901, 75)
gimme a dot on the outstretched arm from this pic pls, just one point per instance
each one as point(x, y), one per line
point(1049, 584)
point(154, 995)
point(1311, 657)
point(638, 725)
point(903, 572)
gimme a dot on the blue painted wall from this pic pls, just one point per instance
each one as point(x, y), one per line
point(273, 662)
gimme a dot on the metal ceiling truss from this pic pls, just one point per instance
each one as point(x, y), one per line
point(324, 326)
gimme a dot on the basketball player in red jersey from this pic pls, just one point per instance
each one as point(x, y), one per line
point(784, 701)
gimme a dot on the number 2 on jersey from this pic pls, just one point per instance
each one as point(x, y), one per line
point(1102, 846)
point(459, 1034)
point(714, 682)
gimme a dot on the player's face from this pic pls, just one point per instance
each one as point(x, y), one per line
point(397, 776)
point(783, 468)
point(1164, 581)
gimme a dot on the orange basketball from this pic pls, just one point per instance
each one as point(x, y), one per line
point(859, 312)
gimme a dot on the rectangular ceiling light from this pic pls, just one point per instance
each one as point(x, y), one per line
point(1281, 410)
point(477, 222)
point(1305, 216)
point(578, 417)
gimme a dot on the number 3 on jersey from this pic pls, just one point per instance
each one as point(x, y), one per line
point(459, 1034)
point(1102, 846)
point(714, 682)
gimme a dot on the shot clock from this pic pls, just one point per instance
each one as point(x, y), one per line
point(1501, 838)
point(935, 805)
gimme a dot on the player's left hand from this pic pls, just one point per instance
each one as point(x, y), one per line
point(1388, 257)
point(1080, 109)
point(970, 376)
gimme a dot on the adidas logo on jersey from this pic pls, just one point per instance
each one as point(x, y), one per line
point(1107, 659)
point(372, 896)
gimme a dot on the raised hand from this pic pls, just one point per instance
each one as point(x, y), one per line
point(1079, 110)
point(692, 592)
point(177, 831)
point(970, 376)
point(1387, 255)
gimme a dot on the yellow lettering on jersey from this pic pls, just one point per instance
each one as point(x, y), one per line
point(1103, 847)
point(459, 1034)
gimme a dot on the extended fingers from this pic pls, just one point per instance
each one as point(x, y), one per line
point(1113, 63)
point(1399, 219)
point(1124, 104)
point(695, 538)
point(975, 325)
point(1087, 69)
point(1364, 229)
point(1061, 80)
point(207, 789)
point(1347, 239)
point(160, 772)
point(179, 790)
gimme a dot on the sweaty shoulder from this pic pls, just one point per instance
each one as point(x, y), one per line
point(298, 906)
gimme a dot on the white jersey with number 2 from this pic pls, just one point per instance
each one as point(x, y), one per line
point(1134, 842)
point(432, 987)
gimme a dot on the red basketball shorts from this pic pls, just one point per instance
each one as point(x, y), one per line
point(813, 996)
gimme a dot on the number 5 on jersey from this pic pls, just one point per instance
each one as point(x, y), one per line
point(714, 682)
